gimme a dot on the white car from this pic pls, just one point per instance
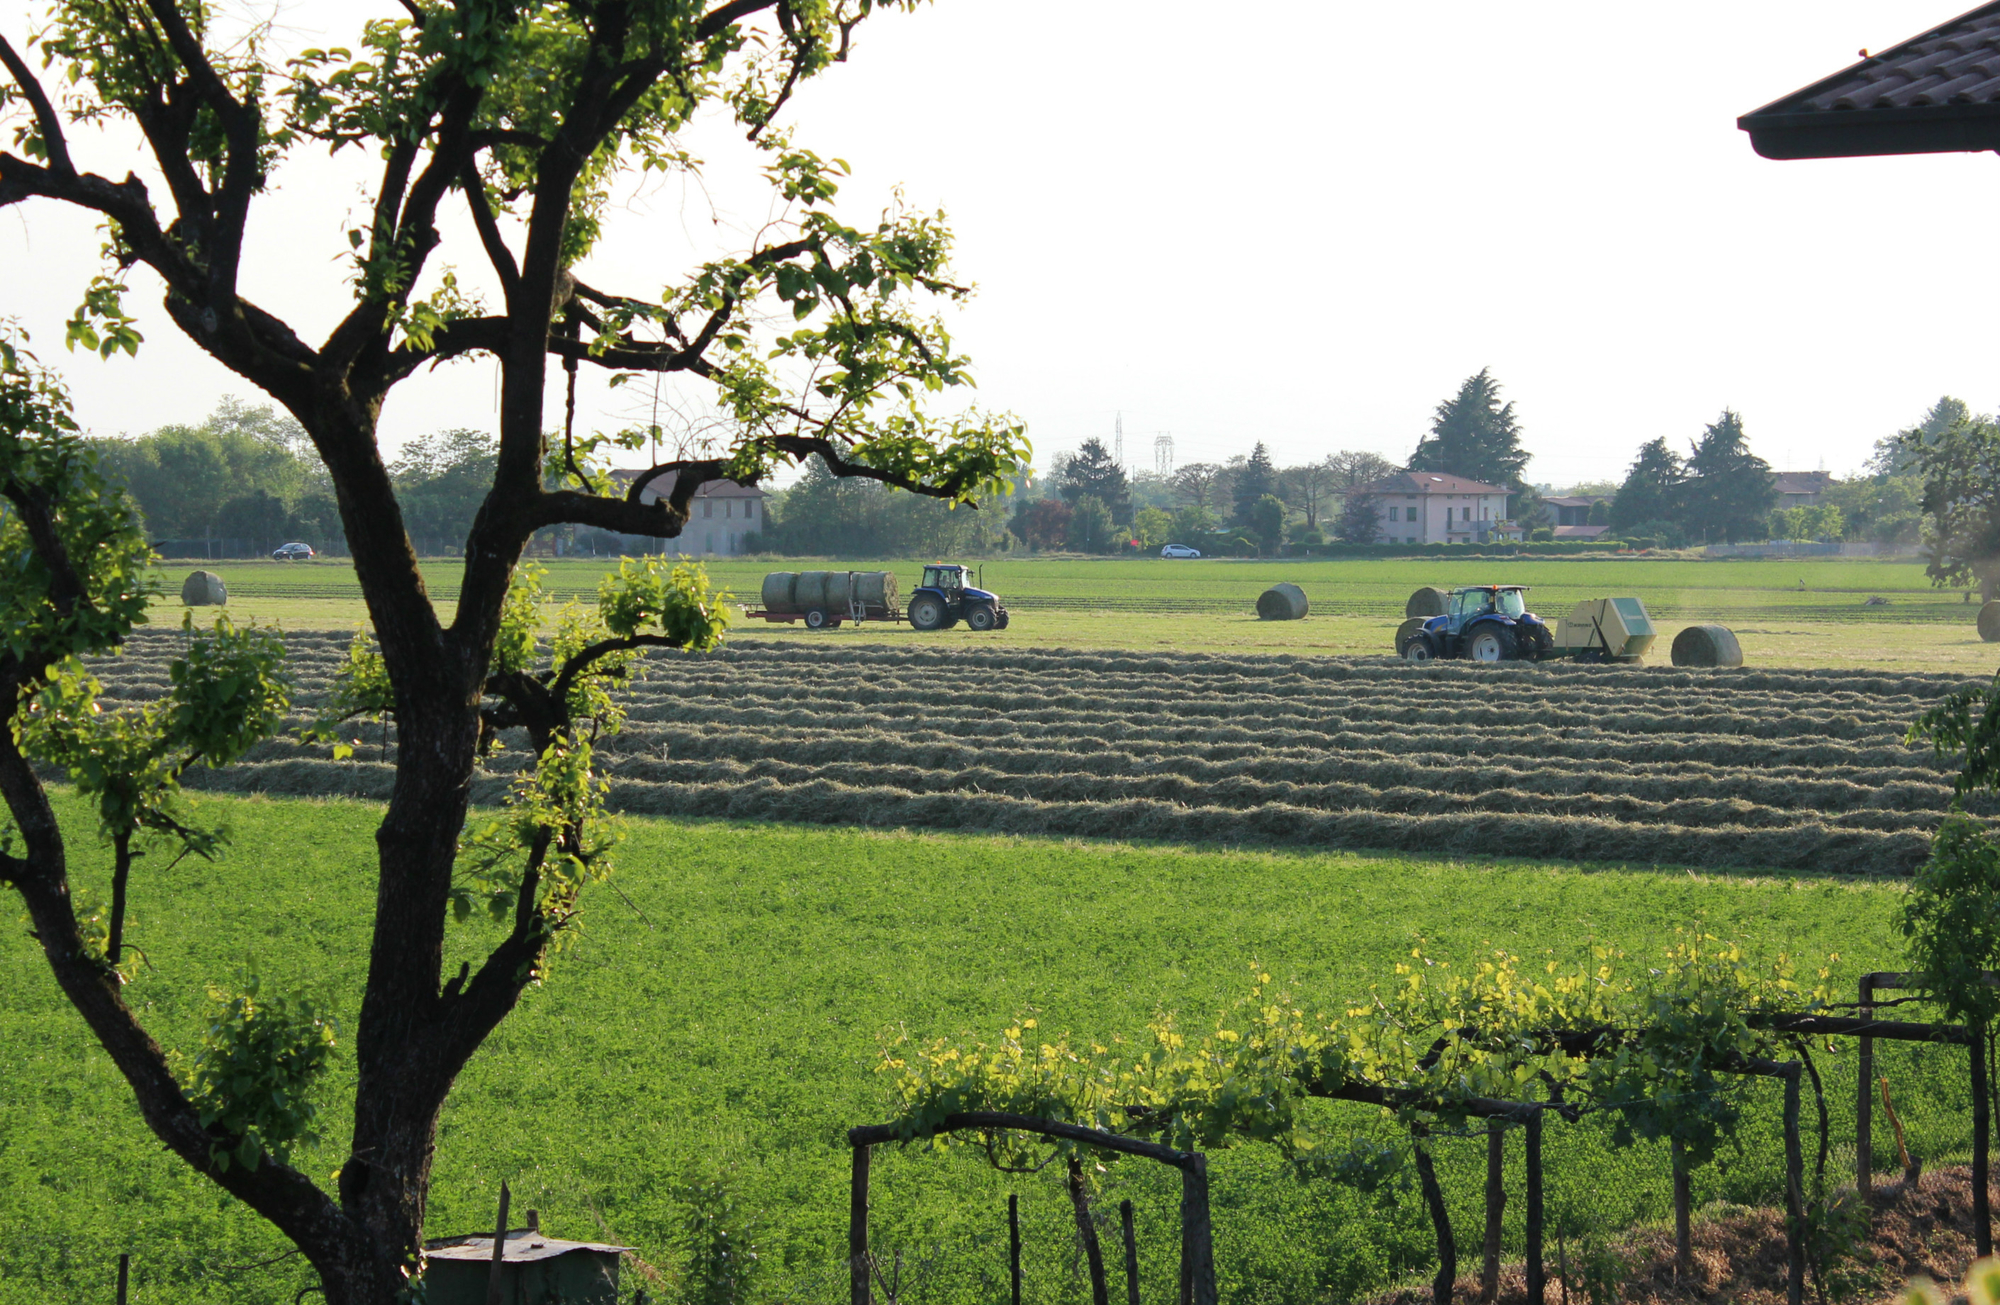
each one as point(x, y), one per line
point(292, 552)
point(1179, 550)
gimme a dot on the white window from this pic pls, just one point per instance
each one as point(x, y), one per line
point(749, 509)
point(708, 509)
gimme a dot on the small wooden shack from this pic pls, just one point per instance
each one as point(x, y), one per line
point(535, 1269)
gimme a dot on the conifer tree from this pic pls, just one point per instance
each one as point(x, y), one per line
point(1474, 435)
point(1654, 488)
point(1091, 472)
point(1730, 490)
point(1255, 478)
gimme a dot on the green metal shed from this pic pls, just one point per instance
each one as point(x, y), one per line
point(535, 1269)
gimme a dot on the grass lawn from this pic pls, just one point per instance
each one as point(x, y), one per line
point(728, 1019)
point(1209, 606)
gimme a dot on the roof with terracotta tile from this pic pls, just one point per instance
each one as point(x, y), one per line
point(1804, 482)
point(1938, 92)
point(1429, 482)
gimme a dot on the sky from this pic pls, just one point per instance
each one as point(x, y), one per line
point(1301, 223)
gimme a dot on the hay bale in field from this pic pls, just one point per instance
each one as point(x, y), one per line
point(1408, 631)
point(1989, 622)
point(810, 591)
point(1425, 602)
point(876, 588)
point(1707, 645)
point(839, 590)
point(1282, 602)
point(778, 588)
point(204, 589)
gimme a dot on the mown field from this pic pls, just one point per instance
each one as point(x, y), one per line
point(725, 1018)
point(1210, 606)
point(1796, 770)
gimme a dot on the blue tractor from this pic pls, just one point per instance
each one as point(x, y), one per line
point(1482, 623)
point(943, 599)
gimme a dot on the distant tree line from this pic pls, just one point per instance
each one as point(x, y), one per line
point(247, 479)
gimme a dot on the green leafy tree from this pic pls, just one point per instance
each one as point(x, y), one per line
point(1599, 514)
point(1090, 471)
point(1961, 505)
point(1044, 524)
point(1250, 481)
point(1192, 523)
point(1090, 525)
point(1152, 527)
point(1267, 520)
point(1201, 484)
point(1884, 509)
point(1729, 490)
point(1896, 455)
point(1654, 488)
point(1526, 509)
point(818, 339)
point(1474, 435)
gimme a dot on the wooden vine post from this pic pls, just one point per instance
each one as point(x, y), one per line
point(1538, 1282)
point(1683, 1232)
point(1496, 1205)
point(1864, 1102)
point(1440, 1217)
point(1795, 1205)
point(858, 1264)
point(1197, 1234)
point(1982, 1126)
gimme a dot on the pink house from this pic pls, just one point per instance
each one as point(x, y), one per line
point(1430, 507)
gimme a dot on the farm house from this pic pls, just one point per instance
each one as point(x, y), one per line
point(1423, 507)
point(723, 514)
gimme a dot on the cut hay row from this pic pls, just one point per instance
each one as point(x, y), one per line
point(1783, 770)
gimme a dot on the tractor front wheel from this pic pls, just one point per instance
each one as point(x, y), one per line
point(1492, 644)
point(1419, 649)
point(926, 613)
point(979, 618)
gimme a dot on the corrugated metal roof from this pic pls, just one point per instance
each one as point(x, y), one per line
point(1937, 92)
point(523, 1245)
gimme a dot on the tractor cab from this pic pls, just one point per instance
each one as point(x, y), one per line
point(949, 579)
point(943, 598)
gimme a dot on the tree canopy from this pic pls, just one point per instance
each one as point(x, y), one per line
point(1250, 481)
point(1091, 472)
point(1653, 488)
point(1474, 435)
point(817, 338)
point(1729, 491)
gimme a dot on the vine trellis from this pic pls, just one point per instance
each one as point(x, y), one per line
point(1439, 1051)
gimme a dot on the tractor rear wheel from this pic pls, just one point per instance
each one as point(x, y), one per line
point(979, 618)
point(926, 613)
point(1492, 643)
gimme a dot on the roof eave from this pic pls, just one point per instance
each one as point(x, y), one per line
point(1853, 133)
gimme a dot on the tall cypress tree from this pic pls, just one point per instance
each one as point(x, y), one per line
point(1252, 481)
point(1473, 434)
point(1654, 489)
point(1730, 490)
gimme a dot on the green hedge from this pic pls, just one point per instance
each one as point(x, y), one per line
point(1549, 548)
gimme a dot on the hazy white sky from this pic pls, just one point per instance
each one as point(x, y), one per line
point(1302, 223)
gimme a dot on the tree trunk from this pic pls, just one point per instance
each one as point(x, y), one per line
point(1086, 1231)
point(1496, 1205)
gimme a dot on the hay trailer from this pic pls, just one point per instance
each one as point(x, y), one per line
point(824, 599)
point(1492, 623)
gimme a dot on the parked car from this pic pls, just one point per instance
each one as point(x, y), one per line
point(292, 552)
point(1179, 550)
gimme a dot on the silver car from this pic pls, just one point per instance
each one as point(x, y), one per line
point(1179, 550)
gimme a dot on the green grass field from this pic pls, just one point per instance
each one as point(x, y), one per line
point(728, 1019)
point(1210, 605)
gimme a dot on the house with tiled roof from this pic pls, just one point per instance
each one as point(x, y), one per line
point(1802, 488)
point(1432, 507)
point(720, 516)
point(1572, 509)
point(1936, 93)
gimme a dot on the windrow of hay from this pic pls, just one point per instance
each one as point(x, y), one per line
point(1786, 771)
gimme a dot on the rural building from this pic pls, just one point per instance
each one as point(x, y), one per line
point(1802, 488)
point(1570, 510)
point(1582, 532)
point(1425, 507)
point(534, 1269)
point(722, 513)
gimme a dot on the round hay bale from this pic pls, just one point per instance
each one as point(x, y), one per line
point(778, 588)
point(1425, 602)
point(1282, 602)
point(839, 590)
point(1989, 622)
point(1707, 645)
point(810, 591)
point(876, 588)
point(204, 589)
point(1408, 631)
